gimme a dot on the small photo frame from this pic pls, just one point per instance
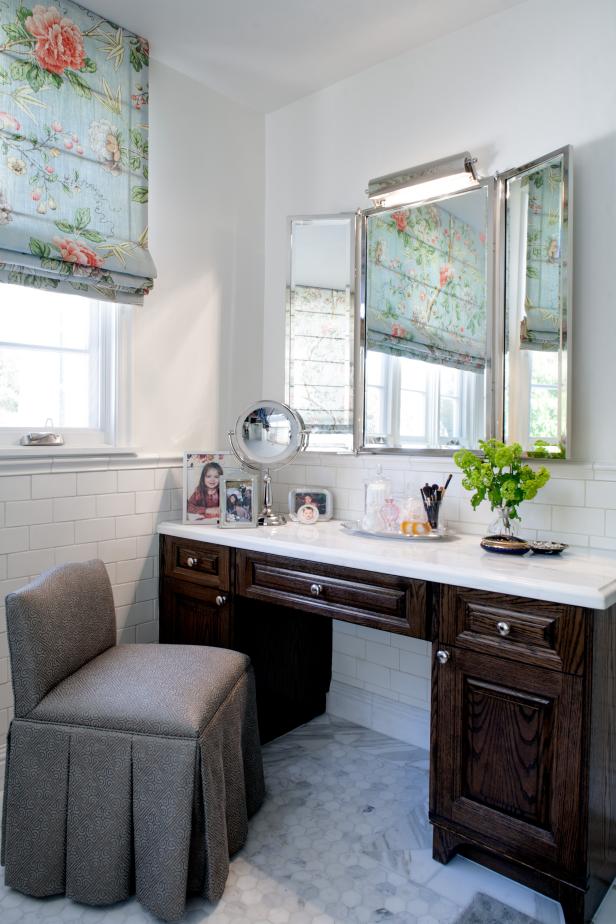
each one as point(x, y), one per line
point(240, 495)
point(307, 514)
point(320, 497)
point(203, 472)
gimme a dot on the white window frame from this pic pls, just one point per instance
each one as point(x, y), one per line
point(115, 393)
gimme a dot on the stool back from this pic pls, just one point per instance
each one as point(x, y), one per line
point(55, 625)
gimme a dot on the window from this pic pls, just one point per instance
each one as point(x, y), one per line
point(431, 406)
point(545, 413)
point(63, 365)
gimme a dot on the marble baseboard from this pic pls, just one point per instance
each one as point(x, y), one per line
point(398, 720)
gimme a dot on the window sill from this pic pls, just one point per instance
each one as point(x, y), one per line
point(48, 459)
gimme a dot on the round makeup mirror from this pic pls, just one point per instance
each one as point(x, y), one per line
point(267, 436)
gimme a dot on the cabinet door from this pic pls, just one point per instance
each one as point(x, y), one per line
point(506, 766)
point(194, 615)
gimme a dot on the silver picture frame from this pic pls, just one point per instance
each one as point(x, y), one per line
point(321, 498)
point(239, 496)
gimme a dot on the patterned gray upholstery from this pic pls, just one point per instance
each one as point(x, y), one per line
point(151, 689)
point(136, 769)
point(55, 624)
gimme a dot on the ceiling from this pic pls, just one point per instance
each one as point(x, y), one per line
point(267, 53)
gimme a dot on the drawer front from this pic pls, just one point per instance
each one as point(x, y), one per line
point(382, 601)
point(534, 631)
point(197, 562)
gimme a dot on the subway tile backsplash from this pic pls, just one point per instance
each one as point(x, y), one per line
point(112, 510)
point(577, 504)
point(48, 518)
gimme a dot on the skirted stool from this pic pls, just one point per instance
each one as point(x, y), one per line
point(131, 769)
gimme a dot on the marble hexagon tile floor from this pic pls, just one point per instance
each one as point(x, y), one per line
point(343, 837)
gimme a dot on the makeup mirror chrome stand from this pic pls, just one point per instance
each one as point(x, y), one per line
point(267, 436)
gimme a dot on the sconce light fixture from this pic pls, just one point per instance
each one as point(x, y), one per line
point(437, 178)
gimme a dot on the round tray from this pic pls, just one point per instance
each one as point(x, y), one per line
point(355, 528)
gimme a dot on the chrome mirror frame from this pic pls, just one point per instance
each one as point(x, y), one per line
point(495, 321)
point(500, 302)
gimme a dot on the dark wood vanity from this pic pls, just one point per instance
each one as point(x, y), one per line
point(523, 724)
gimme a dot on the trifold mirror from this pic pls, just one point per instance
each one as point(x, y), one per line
point(437, 323)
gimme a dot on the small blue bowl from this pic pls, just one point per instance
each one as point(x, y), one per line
point(505, 545)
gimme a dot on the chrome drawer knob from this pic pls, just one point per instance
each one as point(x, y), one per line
point(503, 629)
point(315, 590)
point(442, 656)
point(220, 600)
point(191, 562)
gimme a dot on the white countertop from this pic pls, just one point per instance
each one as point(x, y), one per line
point(579, 577)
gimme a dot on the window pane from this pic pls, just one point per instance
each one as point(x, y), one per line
point(544, 368)
point(37, 317)
point(449, 418)
point(544, 413)
point(374, 411)
point(412, 414)
point(375, 366)
point(413, 374)
point(450, 381)
point(39, 384)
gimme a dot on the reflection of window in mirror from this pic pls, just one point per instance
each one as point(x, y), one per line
point(536, 294)
point(427, 355)
point(413, 404)
point(320, 304)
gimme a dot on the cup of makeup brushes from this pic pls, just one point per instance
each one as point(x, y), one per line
point(432, 497)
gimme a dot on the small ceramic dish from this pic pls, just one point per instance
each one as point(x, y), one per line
point(547, 547)
point(505, 545)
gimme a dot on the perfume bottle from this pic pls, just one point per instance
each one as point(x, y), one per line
point(390, 514)
point(377, 490)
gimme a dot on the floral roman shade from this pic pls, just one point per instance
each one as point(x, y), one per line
point(544, 303)
point(73, 153)
point(426, 287)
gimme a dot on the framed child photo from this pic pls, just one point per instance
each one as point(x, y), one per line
point(203, 472)
point(321, 498)
point(240, 498)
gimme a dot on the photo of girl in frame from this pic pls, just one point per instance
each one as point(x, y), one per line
point(202, 474)
point(239, 493)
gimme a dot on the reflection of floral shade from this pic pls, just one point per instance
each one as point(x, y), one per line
point(546, 261)
point(427, 287)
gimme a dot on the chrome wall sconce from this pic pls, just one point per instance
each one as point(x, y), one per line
point(427, 181)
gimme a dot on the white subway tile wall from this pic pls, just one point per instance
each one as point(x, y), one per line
point(49, 518)
point(112, 510)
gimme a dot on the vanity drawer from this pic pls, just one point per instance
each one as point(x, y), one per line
point(198, 562)
point(533, 631)
point(379, 600)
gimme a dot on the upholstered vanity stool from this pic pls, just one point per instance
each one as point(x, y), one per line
point(130, 768)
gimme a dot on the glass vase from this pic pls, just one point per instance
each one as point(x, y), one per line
point(502, 525)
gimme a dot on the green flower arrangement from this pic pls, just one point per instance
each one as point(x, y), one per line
point(500, 476)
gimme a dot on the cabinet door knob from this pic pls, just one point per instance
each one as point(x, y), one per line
point(220, 600)
point(315, 590)
point(503, 629)
point(191, 562)
point(442, 656)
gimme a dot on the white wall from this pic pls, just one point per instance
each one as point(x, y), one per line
point(198, 336)
point(508, 88)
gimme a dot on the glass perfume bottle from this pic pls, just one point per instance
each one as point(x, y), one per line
point(390, 514)
point(377, 490)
